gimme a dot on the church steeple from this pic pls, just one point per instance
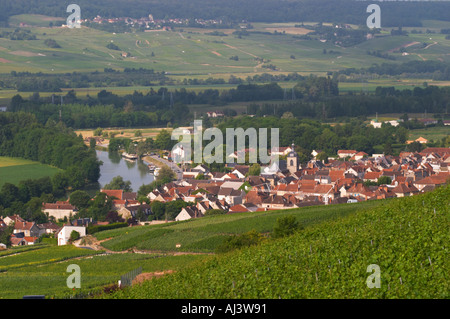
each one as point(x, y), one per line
point(292, 160)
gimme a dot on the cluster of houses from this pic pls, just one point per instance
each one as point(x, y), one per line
point(151, 23)
point(352, 177)
point(28, 232)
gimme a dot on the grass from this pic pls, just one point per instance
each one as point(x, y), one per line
point(14, 170)
point(431, 133)
point(205, 234)
point(96, 271)
point(406, 238)
point(192, 53)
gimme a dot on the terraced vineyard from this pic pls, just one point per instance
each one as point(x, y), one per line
point(205, 234)
point(407, 238)
point(43, 270)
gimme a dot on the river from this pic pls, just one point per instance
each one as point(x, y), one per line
point(114, 165)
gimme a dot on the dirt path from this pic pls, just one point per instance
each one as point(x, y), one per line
point(234, 48)
point(150, 275)
point(430, 45)
point(404, 46)
point(90, 242)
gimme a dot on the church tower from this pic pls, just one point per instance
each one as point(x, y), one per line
point(292, 161)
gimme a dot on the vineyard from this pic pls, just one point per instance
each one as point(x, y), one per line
point(205, 234)
point(407, 238)
point(47, 274)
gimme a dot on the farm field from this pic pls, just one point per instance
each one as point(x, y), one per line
point(205, 234)
point(191, 53)
point(431, 133)
point(14, 170)
point(43, 271)
point(330, 260)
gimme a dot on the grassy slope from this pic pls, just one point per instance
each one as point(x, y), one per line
point(407, 238)
point(43, 270)
point(14, 170)
point(194, 53)
point(205, 234)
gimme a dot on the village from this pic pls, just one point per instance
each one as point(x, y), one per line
point(352, 176)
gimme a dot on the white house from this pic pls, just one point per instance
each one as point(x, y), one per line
point(188, 213)
point(64, 233)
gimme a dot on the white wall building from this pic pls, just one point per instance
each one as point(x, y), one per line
point(64, 233)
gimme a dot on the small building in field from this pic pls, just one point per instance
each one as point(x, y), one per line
point(64, 234)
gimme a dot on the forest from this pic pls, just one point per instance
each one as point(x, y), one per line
point(41, 82)
point(312, 97)
point(403, 13)
point(54, 144)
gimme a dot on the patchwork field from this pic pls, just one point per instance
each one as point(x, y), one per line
point(193, 52)
point(43, 270)
point(205, 234)
point(14, 170)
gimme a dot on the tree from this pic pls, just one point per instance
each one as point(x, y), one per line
point(163, 140)
point(118, 183)
point(415, 147)
point(158, 209)
point(74, 235)
point(322, 156)
point(285, 226)
point(166, 175)
point(5, 235)
point(387, 149)
point(113, 217)
point(254, 170)
point(384, 180)
point(80, 199)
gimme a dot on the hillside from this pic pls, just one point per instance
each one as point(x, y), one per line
point(193, 53)
point(205, 234)
point(407, 238)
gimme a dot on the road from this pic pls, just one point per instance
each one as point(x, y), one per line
point(173, 166)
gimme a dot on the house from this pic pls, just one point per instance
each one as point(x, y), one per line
point(281, 151)
point(49, 228)
point(131, 211)
point(119, 194)
point(188, 213)
point(358, 156)
point(30, 229)
point(12, 219)
point(421, 140)
point(64, 233)
point(346, 153)
point(231, 196)
point(371, 176)
point(59, 210)
point(403, 190)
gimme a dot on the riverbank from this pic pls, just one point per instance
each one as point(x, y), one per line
point(160, 162)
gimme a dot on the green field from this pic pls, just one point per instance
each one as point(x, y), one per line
point(43, 271)
point(431, 133)
point(191, 52)
point(205, 234)
point(14, 170)
point(407, 239)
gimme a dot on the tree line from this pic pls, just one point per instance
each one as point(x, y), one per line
point(343, 11)
point(21, 135)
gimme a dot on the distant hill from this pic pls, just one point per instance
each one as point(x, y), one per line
point(407, 239)
point(404, 13)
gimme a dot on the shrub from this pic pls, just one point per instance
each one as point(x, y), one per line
point(74, 235)
point(240, 241)
point(96, 228)
point(285, 226)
